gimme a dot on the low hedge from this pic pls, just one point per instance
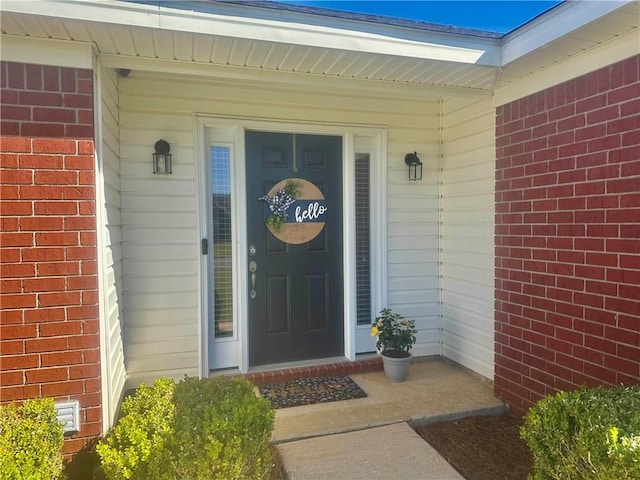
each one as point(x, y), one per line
point(136, 446)
point(31, 440)
point(196, 429)
point(593, 433)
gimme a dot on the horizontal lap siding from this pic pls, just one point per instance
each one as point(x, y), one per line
point(161, 250)
point(568, 236)
point(112, 241)
point(412, 219)
point(466, 243)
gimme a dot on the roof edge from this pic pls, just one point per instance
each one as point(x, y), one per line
point(363, 17)
point(236, 20)
point(553, 24)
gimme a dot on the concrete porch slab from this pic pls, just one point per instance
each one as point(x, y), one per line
point(434, 390)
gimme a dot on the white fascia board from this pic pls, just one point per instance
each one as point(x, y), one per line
point(616, 50)
point(560, 21)
point(44, 51)
point(105, 11)
point(387, 40)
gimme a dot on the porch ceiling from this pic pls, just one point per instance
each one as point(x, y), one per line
point(381, 54)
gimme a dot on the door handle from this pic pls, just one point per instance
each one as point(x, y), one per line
point(253, 266)
point(253, 294)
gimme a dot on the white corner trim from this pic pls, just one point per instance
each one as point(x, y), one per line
point(108, 416)
point(593, 59)
point(45, 51)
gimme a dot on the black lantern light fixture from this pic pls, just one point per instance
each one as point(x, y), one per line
point(415, 166)
point(162, 158)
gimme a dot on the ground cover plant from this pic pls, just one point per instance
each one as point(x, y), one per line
point(593, 433)
point(31, 441)
point(481, 448)
point(196, 429)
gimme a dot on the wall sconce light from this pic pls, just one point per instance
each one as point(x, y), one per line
point(415, 166)
point(162, 158)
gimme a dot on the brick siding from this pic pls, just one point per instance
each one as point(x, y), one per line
point(568, 237)
point(49, 329)
point(43, 101)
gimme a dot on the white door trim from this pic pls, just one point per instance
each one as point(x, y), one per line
point(212, 129)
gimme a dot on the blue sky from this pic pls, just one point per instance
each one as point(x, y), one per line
point(500, 16)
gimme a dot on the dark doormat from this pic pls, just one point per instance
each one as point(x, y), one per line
point(307, 391)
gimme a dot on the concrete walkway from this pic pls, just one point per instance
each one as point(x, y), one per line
point(389, 452)
point(371, 438)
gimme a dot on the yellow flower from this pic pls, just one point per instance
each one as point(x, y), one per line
point(374, 331)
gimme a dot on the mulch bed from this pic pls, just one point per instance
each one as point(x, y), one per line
point(481, 448)
point(307, 391)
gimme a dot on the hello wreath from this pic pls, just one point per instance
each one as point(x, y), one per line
point(295, 210)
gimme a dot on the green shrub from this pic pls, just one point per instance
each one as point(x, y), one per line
point(593, 433)
point(222, 430)
point(135, 447)
point(31, 441)
point(197, 429)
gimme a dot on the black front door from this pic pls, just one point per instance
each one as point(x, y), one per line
point(296, 300)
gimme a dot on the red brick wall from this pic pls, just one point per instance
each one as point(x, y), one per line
point(49, 337)
point(42, 101)
point(567, 237)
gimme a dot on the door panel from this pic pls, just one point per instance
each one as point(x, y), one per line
point(317, 299)
point(297, 312)
point(277, 298)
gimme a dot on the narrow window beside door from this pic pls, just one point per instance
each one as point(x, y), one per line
point(221, 252)
point(363, 250)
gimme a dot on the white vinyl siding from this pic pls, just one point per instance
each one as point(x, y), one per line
point(412, 230)
point(467, 232)
point(111, 253)
point(161, 237)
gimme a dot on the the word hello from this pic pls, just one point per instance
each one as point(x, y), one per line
point(313, 211)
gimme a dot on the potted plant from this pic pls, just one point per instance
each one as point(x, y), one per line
point(396, 336)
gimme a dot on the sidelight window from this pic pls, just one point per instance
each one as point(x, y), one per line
point(221, 251)
point(363, 240)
